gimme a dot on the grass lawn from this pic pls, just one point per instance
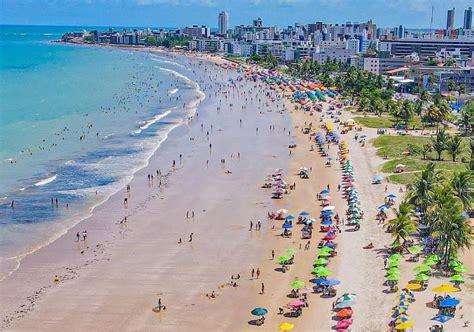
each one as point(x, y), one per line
point(395, 148)
point(386, 121)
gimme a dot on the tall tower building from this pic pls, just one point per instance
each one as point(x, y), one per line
point(450, 20)
point(401, 32)
point(223, 23)
point(468, 18)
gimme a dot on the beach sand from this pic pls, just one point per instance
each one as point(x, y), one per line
point(125, 268)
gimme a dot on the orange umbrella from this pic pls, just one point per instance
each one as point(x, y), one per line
point(344, 313)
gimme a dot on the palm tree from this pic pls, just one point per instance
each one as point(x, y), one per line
point(453, 146)
point(467, 117)
point(439, 142)
point(424, 97)
point(421, 191)
point(461, 89)
point(402, 225)
point(449, 224)
point(378, 106)
point(463, 186)
point(407, 110)
point(426, 148)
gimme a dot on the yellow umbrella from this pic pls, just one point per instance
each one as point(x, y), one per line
point(445, 289)
point(413, 286)
point(286, 327)
point(403, 326)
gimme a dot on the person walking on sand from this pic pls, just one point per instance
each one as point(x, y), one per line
point(251, 225)
point(191, 237)
point(273, 254)
point(252, 273)
point(78, 236)
point(192, 214)
point(258, 272)
point(84, 235)
point(263, 288)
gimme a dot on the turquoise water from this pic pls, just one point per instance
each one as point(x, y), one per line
point(75, 122)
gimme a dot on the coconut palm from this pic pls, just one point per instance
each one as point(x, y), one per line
point(463, 186)
point(467, 117)
point(421, 191)
point(402, 225)
point(453, 146)
point(439, 142)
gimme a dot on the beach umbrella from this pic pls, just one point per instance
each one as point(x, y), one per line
point(287, 226)
point(346, 297)
point(391, 195)
point(395, 256)
point(378, 178)
point(327, 213)
point(445, 288)
point(422, 268)
point(295, 303)
point(415, 249)
point(344, 313)
point(434, 257)
point(290, 217)
point(449, 302)
point(304, 213)
point(345, 304)
point(286, 327)
point(283, 259)
point(329, 208)
point(282, 211)
point(319, 269)
point(342, 324)
point(324, 192)
point(326, 222)
point(457, 278)
point(404, 326)
point(290, 251)
point(321, 261)
point(455, 263)
point(323, 273)
point(324, 253)
point(394, 263)
point(441, 318)
point(401, 319)
point(393, 270)
point(393, 277)
point(330, 282)
point(329, 236)
point(429, 262)
point(297, 284)
point(318, 281)
point(413, 286)
point(421, 277)
point(398, 311)
point(259, 311)
point(461, 268)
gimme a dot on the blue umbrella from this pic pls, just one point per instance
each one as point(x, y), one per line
point(329, 158)
point(286, 226)
point(326, 222)
point(449, 302)
point(330, 282)
point(304, 213)
point(378, 178)
point(318, 281)
point(391, 195)
point(327, 213)
point(441, 318)
point(324, 192)
point(330, 245)
point(290, 217)
point(259, 311)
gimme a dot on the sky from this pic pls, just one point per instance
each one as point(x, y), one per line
point(179, 13)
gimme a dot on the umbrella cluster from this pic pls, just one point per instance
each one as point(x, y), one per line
point(354, 211)
point(400, 319)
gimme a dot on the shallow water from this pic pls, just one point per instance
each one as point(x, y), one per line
point(75, 123)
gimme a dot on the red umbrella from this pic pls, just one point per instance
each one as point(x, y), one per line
point(330, 237)
point(296, 303)
point(344, 313)
point(343, 324)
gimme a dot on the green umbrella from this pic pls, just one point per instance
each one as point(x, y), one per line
point(435, 257)
point(318, 269)
point(393, 259)
point(393, 270)
point(283, 259)
point(395, 256)
point(455, 262)
point(393, 264)
point(461, 268)
point(323, 273)
point(327, 249)
point(324, 253)
point(422, 268)
point(457, 278)
point(421, 277)
point(415, 249)
point(393, 277)
point(321, 261)
point(297, 284)
point(429, 262)
point(290, 251)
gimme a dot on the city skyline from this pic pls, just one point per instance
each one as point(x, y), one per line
point(175, 13)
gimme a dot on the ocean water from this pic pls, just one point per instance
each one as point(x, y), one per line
point(75, 123)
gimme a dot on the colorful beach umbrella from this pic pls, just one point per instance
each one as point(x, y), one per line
point(415, 249)
point(290, 251)
point(445, 288)
point(461, 269)
point(413, 286)
point(422, 268)
point(304, 213)
point(283, 259)
point(286, 327)
point(297, 284)
point(344, 313)
point(295, 303)
point(393, 277)
point(441, 318)
point(404, 326)
point(422, 277)
point(449, 302)
point(321, 261)
point(259, 311)
point(457, 278)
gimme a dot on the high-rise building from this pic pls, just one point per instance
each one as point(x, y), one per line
point(450, 20)
point(258, 23)
point(223, 23)
point(468, 18)
point(401, 32)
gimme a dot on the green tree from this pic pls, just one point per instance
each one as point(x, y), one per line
point(407, 111)
point(402, 225)
point(421, 191)
point(463, 186)
point(150, 41)
point(467, 117)
point(453, 146)
point(439, 142)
